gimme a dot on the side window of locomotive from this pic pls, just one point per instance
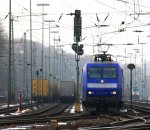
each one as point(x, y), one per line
point(109, 72)
point(94, 73)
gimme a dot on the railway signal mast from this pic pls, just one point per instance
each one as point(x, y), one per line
point(131, 67)
point(78, 49)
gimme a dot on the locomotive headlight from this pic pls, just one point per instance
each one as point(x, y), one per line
point(102, 81)
point(114, 92)
point(89, 92)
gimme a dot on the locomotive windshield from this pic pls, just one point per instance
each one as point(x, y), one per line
point(96, 72)
point(109, 72)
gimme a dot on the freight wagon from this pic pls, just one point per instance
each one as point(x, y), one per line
point(46, 92)
point(63, 91)
point(39, 92)
point(67, 91)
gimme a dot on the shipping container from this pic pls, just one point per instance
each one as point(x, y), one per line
point(37, 87)
point(39, 91)
point(50, 90)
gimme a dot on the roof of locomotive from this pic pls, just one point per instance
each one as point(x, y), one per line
point(105, 63)
point(104, 60)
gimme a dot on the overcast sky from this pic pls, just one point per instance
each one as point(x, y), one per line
point(123, 17)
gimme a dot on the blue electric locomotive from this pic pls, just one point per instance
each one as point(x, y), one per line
point(102, 84)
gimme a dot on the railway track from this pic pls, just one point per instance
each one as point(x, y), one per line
point(140, 107)
point(39, 116)
point(4, 110)
point(80, 121)
point(51, 113)
point(127, 121)
point(136, 122)
point(118, 125)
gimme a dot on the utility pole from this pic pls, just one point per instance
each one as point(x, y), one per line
point(60, 64)
point(49, 73)
point(62, 73)
point(13, 63)
point(25, 65)
point(9, 60)
point(46, 60)
point(13, 60)
point(145, 83)
point(37, 90)
point(42, 51)
point(54, 76)
point(34, 60)
point(57, 57)
point(30, 51)
point(135, 72)
point(142, 71)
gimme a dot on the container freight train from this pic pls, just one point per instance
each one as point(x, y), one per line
point(39, 91)
point(67, 91)
point(62, 91)
point(102, 84)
